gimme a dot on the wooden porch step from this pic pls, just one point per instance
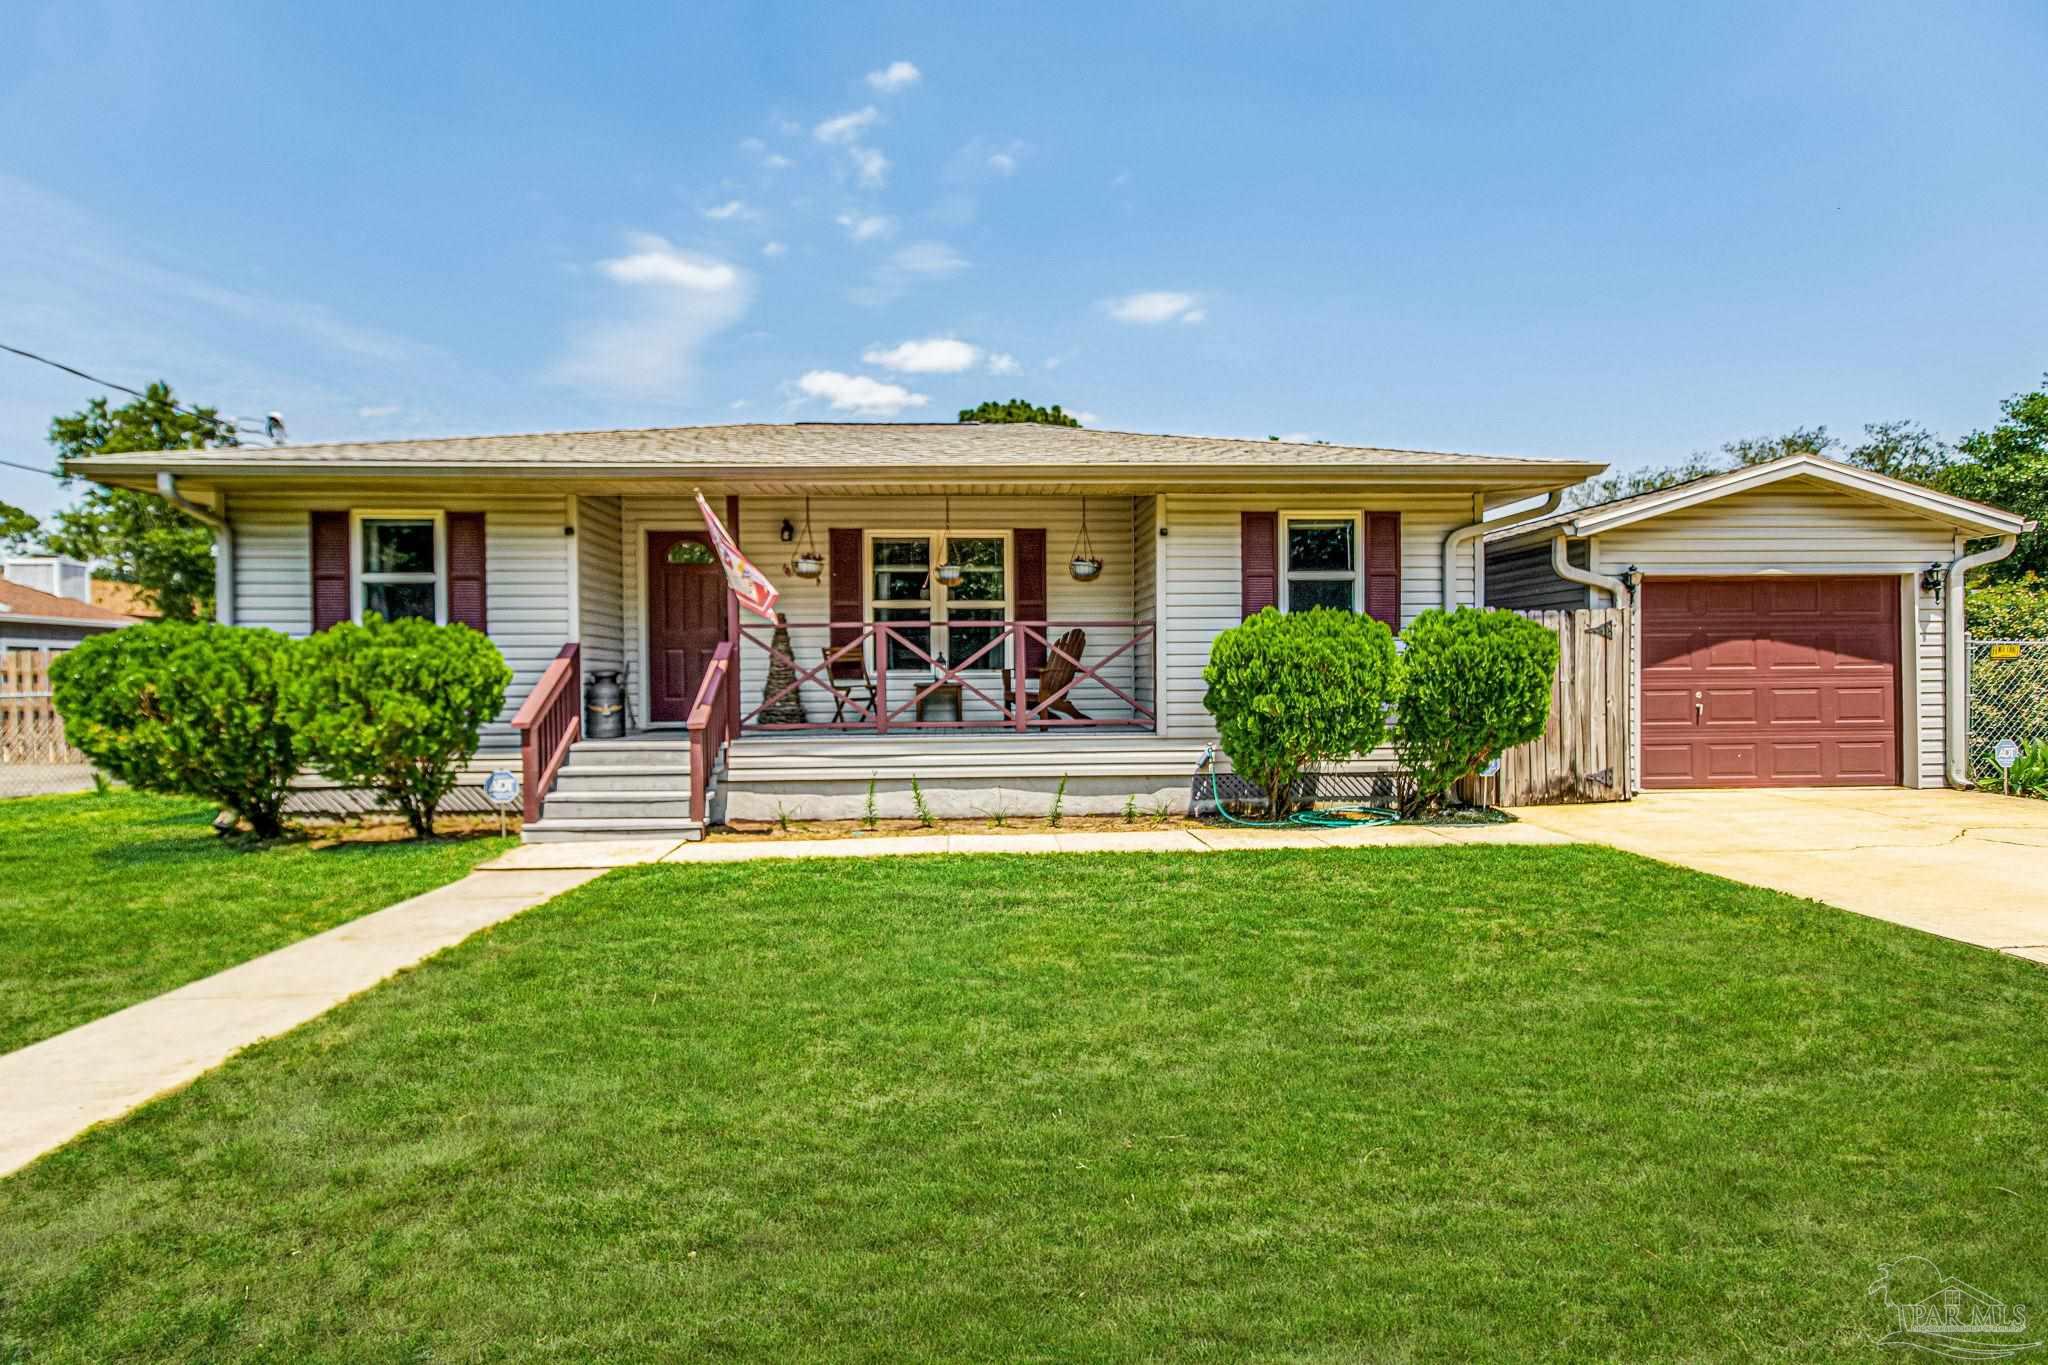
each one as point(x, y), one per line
point(590, 829)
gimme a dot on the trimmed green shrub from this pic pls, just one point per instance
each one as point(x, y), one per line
point(2028, 776)
point(2007, 611)
point(1473, 684)
point(394, 707)
point(1291, 691)
point(188, 709)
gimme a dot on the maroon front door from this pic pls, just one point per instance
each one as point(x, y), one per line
point(685, 619)
point(1770, 682)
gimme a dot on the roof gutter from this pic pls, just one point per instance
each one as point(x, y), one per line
point(1565, 569)
point(1461, 536)
point(223, 542)
point(1955, 660)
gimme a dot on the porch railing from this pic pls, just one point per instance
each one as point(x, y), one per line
point(881, 703)
point(710, 726)
point(549, 722)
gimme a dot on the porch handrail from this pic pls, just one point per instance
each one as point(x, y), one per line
point(550, 720)
point(710, 726)
point(884, 713)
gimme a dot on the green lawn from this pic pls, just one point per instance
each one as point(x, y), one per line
point(107, 900)
point(1484, 1103)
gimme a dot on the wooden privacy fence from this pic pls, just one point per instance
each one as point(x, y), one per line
point(30, 729)
point(1584, 754)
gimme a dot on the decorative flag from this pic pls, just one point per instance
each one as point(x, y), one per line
point(748, 583)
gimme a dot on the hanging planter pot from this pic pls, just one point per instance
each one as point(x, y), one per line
point(1086, 565)
point(808, 565)
point(949, 575)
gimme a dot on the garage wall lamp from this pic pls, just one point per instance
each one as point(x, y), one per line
point(1630, 577)
point(1933, 579)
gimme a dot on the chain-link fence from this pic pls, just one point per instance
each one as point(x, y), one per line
point(2008, 699)
point(35, 760)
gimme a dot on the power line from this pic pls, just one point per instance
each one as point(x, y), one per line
point(110, 384)
point(32, 469)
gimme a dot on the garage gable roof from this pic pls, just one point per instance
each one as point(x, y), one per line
point(1980, 518)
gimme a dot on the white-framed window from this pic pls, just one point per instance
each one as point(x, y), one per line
point(398, 564)
point(902, 589)
point(1319, 562)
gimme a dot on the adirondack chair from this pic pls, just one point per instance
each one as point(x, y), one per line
point(1054, 679)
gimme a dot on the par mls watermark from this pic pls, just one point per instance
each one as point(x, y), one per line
point(1943, 1316)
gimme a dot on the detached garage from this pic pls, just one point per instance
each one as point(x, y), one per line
point(1793, 621)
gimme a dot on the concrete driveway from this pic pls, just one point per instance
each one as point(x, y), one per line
point(1960, 864)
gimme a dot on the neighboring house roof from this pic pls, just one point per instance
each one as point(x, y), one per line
point(1978, 517)
point(710, 451)
point(123, 599)
point(31, 606)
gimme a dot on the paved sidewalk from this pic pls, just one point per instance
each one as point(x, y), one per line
point(1965, 865)
point(52, 1091)
point(1204, 840)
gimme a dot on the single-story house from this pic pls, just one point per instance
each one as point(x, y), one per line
point(45, 604)
point(1797, 623)
point(920, 565)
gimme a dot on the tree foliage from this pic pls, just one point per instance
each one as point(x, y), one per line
point(187, 708)
point(1474, 683)
point(1291, 691)
point(395, 707)
point(17, 528)
point(1903, 450)
point(1018, 410)
point(133, 536)
point(2013, 610)
point(2007, 466)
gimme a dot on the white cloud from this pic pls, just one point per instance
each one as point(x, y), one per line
point(773, 248)
point(1155, 307)
point(928, 258)
point(1002, 163)
point(847, 128)
point(870, 167)
point(731, 208)
point(859, 394)
point(645, 339)
point(776, 161)
point(1001, 363)
point(865, 227)
point(898, 75)
point(381, 410)
point(934, 355)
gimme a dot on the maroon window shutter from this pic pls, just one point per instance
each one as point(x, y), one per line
point(846, 595)
point(329, 548)
point(466, 594)
point(1258, 561)
point(1029, 596)
point(1383, 568)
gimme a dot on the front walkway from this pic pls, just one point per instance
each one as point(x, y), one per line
point(52, 1091)
point(1964, 865)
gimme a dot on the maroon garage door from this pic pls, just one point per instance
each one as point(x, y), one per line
point(1770, 682)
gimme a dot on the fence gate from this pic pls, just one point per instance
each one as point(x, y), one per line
point(33, 755)
point(2008, 698)
point(1584, 754)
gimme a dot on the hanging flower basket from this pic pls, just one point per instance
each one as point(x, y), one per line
point(808, 566)
point(949, 575)
point(1085, 568)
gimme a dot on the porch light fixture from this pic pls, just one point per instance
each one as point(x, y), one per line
point(949, 573)
point(808, 564)
point(1932, 580)
point(1085, 565)
point(788, 531)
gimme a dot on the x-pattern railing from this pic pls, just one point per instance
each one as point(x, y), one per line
point(1019, 709)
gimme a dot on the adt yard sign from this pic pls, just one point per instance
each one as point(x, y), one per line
point(501, 788)
point(2006, 752)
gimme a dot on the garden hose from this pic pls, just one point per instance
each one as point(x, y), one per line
point(1329, 817)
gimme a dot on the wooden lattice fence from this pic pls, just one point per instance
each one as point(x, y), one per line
point(31, 731)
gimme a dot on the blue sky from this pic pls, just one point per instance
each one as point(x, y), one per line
point(1619, 231)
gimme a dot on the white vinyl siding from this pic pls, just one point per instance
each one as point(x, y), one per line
point(1204, 563)
point(526, 575)
point(1145, 593)
point(600, 572)
point(1801, 526)
point(1108, 598)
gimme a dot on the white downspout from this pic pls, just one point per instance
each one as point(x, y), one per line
point(1565, 569)
point(223, 544)
point(1459, 536)
point(1955, 663)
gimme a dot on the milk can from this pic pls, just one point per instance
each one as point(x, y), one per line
point(604, 707)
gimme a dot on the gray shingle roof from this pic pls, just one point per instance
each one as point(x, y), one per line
point(827, 445)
